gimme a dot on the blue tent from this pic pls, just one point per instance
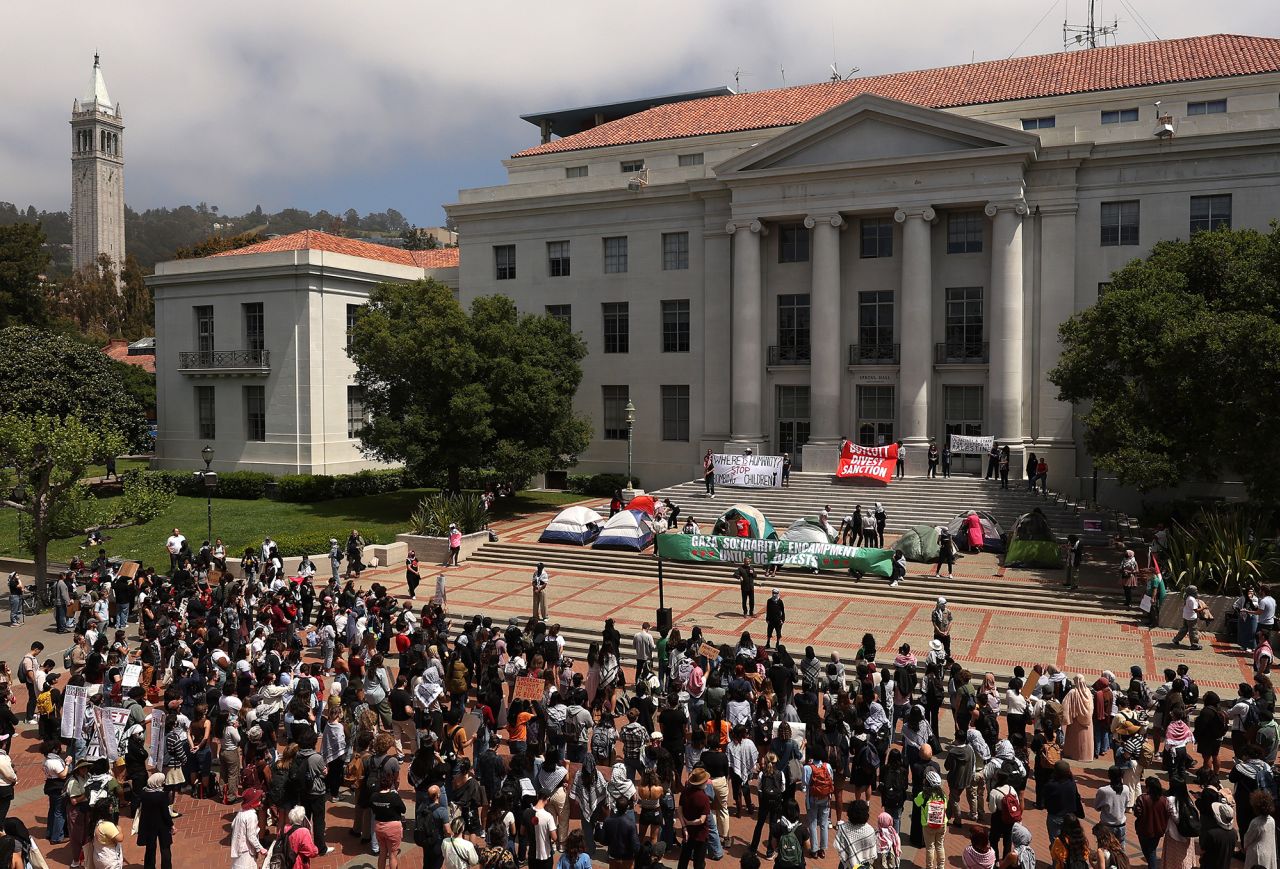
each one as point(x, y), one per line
point(575, 525)
point(628, 529)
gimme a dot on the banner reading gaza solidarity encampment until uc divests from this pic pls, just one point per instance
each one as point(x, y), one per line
point(793, 553)
point(874, 462)
point(749, 472)
point(969, 444)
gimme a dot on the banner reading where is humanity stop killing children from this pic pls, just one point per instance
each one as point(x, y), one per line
point(785, 553)
point(876, 463)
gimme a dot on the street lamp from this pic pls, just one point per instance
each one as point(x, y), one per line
point(210, 479)
point(631, 426)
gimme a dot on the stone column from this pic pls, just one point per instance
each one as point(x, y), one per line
point(915, 304)
point(748, 362)
point(1054, 432)
point(1005, 372)
point(825, 366)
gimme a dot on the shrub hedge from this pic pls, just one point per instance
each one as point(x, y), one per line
point(294, 488)
point(599, 484)
point(238, 485)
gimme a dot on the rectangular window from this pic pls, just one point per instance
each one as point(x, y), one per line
point(1119, 116)
point(615, 255)
point(617, 327)
point(793, 243)
point(1207, 107)
point(255, 413)
point(1038, 123)
point(504, 262)
point(876, 415)
point(204, 412)
point(204, 328)
point(563, 313)
point(793, 419)
point(353, 311)
point(575, 171)
point(964, 324)
point(1210, 212)
point(675, 326)
point(558, 259)
point(690, 159)
point(962, 410)
point(675, 413)
point(875, 326)
point(255, 326)
point(1119, 223)
point(793, 328)
point(675, 251)
point(877, 237)
point(632, 166)
point(615, 412)
point(355, 411)
point(964, 232)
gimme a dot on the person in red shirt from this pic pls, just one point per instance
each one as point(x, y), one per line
point(695, 807)
point(744, 527)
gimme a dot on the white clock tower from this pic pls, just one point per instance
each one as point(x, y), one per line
point(97, 176)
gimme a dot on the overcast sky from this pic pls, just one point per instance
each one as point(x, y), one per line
point(369, 105)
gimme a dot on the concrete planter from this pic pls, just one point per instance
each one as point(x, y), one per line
point(434, 550)
point(1171, 611)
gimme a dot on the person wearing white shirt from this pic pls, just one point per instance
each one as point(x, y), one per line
point(459, 853)
point(174, 544)
point(1191, 608)
point(540, 580)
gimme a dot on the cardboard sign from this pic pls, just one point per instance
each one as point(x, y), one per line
point(1029, 685)
point(132, 673)
point(129, 569)
point(710, 651)
point(530, 688)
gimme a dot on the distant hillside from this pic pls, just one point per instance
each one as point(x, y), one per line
point(155, 234)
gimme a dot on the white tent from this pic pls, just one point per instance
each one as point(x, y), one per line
point(576, 525)
point(628, 529)
point(807, 530)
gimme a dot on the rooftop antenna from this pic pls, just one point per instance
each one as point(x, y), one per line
point(738, 75)
point(783, 70)
point(1088, 35)
point(836, 76)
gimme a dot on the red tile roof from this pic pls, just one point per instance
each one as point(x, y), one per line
point(1018, 78)
point(312, 239)
point(118, 349)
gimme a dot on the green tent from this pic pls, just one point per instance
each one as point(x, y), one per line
point(919, 543)
point(1032, 542)
point(761, 528)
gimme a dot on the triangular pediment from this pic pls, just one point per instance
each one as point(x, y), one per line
point(870, 129)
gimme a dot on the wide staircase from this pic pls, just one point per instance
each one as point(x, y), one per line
point(908, 502)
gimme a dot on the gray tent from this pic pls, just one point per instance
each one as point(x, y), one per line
point(807, 530)
point(919, 543)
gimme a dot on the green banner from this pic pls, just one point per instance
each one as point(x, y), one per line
point(785, 553)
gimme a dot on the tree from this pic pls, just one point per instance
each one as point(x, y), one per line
point(22, 262)
point(1178, 364)
point(414, 240)
point(217, 244)
point(55, 376)
point(49, 457)
point(451, 390)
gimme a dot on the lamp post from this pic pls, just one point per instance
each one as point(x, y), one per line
point(210, 479)
point(631, 426)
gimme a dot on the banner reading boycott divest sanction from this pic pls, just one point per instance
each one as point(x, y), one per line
point(793, 553)
point(874, 462)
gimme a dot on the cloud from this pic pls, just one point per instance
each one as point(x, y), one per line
point(328, 104)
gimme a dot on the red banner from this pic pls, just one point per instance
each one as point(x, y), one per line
point(876, 463)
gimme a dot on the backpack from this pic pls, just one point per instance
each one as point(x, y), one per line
point(278, 792)
point(894, 786)
point(904, 678)
point(513, 667)
point(575, 731)
point(66, 657)
point(281, 856)
point(428, 828)
point(1266, 779)
point(1052, 752)
point(602, 742)
point(821, 785)
point(1251, 718)
point(1010, 807)
point(869, 755)
point(936, 813)
point(789, 851)
point(1077, 863)
point(1016, 772)
point(933, 693)
point(1188, 819)
point(299, 780)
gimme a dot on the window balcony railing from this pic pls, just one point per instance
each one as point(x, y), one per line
point(225, 361)
point(961, 353)
point(788, 355)
point(873, 354)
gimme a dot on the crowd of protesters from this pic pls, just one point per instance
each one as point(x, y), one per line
point(288, 691)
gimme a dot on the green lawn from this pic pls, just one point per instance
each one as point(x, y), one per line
point(242, 523)
point(122, 465)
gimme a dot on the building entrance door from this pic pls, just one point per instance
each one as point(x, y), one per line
point(962, 415)
point(793, 422)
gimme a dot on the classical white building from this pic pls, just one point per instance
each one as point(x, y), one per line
point(251, 351)
point(887, 258)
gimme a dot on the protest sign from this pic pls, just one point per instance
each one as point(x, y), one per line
point(795, 553)
point(530, 688)
point(747, 472)
point(875, 463)
point(967, 444)
point(74, 700)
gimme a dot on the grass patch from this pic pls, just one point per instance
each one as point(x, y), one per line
point(245, 523)
point(122, 465)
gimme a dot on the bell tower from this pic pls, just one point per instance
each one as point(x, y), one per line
point(97, 176)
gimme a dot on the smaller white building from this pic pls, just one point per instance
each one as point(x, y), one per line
point(251, 351)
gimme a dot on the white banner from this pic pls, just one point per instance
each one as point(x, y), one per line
point(74, 701)
point(967, 444)
point(111, 721)
point(156, 745)
point(748, 472)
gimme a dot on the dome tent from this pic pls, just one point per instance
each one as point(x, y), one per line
point(992, 533)
point(807, 530)
point(575, 525)
point(918, 543)
point(1032, 542)
point(761, 528)
point(643, 503)
point(627, 529)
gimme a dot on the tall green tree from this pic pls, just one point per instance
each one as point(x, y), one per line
point(449, 390)
point(1176, 368)
point(23, 259)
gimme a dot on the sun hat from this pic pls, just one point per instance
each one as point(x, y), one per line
point(657, 734)
point(942, 601)
point(251, 799)
point(698, 777)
